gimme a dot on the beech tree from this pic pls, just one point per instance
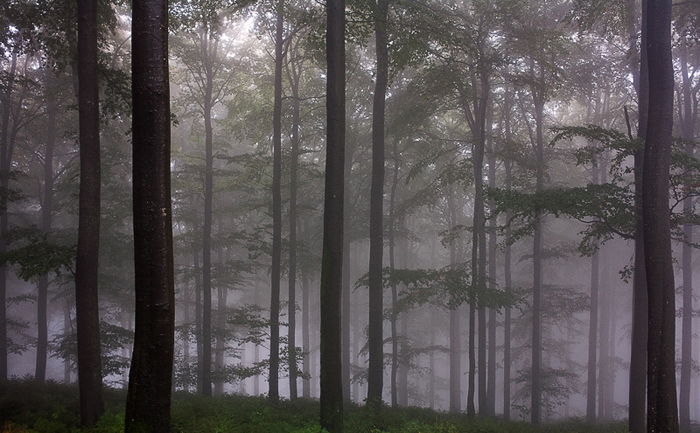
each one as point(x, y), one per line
point(662, 409)
point(332, 259)
point(86, 263)
point(148, 398)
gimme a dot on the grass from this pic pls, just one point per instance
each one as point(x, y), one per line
point(27, 407)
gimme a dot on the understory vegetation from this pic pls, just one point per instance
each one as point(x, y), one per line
point(28, 407)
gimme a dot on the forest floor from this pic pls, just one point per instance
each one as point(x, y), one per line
point(27, 407)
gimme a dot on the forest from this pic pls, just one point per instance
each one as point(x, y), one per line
point(477, 209)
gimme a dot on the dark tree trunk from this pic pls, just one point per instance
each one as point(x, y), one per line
point(394, 288)
point(491, 355)
point(536, 391)
point(593, 331)
point(638, 349)
point(275, 271)
point(689, 117)
point(86, 263)
point(150, 378)
point(455, 332)
point(507, 276)
point(662, 411)
point(347, 284)
point(306, 383)
point(293, 188)
point(221, 316)
point(46, 205)
point(198, 320)
point(375, 344)
point(5, 161)
point(208, 217)
point(346, 307)
point(331, 413)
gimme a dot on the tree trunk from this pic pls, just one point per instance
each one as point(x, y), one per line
point(150, 378)
point(208, 216)
point(5, 161)
point(638, 349)
point(662, 411)
point(375, 345)
point(455, 332)
point(46, 206)
point(492, 322)
point(394, 288)
point(275, 271)
point(331, 413)
point(507, 276)
point(536, 391)
point(86, 266)
point(221, 316)
point(593, 332)
point(293, 188)
point(306, 383)
point(688, 124)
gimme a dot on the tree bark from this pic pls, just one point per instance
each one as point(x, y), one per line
point(293, 192)
point(662, 411)
point(492, 322)
point(331, 412)
point(375, 344)
point(5, 161)
point(208, 215)
point(640, 309)
point(46, 206)
point(150, 378)
point(688, 128)
point(275, 271)
point(536, 391)
point(593, 331)
point(86, 266)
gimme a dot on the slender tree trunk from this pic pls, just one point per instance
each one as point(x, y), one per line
point(347, 284)
point(638, 349)
point(221, 316)
point(198, 320)
point(662, 411)
point(376, 227)
point(688, 124)
point(394, 288)
point(86, 267)
point(331, 413)
point(67, 330)
point(293, 187)
point(536, 392)
point(275, 273)
point(507, 277)
point(306, 383)
point(455, 334)
point(46, 206)
point(208, 217)
point(593, 333)
point(5, 161)
point(492, 323)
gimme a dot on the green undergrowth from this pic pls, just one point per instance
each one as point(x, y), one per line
point(27, 407)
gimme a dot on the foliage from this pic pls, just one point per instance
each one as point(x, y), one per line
point(113, 339)
point(53, 408)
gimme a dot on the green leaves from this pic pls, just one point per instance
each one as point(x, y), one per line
point(36, 255)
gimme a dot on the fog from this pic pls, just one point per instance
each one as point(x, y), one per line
point(551, 67)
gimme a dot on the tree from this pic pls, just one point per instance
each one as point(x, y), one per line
point(375, 374)
point(275, 271)
point(332, 259)
point(148, 398)
point(662, 411)
point(86, 263)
